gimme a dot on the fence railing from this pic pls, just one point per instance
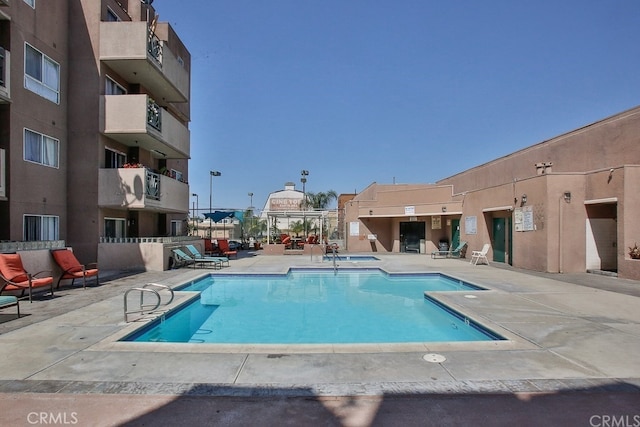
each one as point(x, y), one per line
point(164, 239)
point(12, 246)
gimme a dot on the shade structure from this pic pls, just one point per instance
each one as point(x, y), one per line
point(218, 216)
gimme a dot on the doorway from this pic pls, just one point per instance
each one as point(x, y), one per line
point(411, 233)
point(602, 240)
point(501, 242)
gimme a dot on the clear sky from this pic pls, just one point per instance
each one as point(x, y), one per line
point(404, 91)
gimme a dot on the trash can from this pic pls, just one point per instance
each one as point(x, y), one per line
point(443, 246)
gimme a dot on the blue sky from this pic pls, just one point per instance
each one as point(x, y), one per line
point(405, 91)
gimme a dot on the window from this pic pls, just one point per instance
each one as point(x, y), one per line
point(2, 67)
point(31, 3)
point(3, 174)
point(113, 159)
point(113, 88)
point(41, 227)
point(112, 16)
point(114, 227)
point(41, 74)
point(176, 228)
point(176, 174)
point(40, 148)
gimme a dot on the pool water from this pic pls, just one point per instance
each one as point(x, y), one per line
point(312, 307)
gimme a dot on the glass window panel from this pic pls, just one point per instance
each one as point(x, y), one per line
point(33, 63)
point(32, 150)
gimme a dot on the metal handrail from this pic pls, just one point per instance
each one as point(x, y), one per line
point(151, 307)
point(161, 287)
point(142, 306)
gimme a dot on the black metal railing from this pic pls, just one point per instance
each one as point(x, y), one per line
point(154, 116)
point(153, 185)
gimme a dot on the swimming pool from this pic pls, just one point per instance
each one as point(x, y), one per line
point(316, 306)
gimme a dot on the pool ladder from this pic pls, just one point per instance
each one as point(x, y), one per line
point(335, 266)
point(147, 308)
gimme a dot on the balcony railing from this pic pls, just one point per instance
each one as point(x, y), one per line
point(153, 185)
point(154, 47)
point(142, 58)
point(137, 121)
point(140, 188)
point(154, 118)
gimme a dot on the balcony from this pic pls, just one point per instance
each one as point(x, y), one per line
point(5, 87)
point(141, 189)
point(140, 57)
point(135, 120)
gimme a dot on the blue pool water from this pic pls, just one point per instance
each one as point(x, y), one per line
point(311, 306)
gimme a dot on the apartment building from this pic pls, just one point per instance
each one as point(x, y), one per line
point(94, 115)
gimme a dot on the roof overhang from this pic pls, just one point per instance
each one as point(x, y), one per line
point(498, 208)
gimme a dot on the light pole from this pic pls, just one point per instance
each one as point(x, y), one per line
point(250, 212)
point(303, 180)
point(195, 204)
point(211, 175)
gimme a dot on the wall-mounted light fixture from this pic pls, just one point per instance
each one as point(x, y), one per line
point(370, 212)
point(523, 199)
point(444, 209)
point(567, 196)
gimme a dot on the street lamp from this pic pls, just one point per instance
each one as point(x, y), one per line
point(211, 175)
point(195, 204)
point(303, 180)
point(250, 212)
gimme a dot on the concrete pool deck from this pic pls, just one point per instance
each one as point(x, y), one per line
point(572, 355)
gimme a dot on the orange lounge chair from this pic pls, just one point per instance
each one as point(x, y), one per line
point(16, 278)
point(223, 245)
point(72, 269)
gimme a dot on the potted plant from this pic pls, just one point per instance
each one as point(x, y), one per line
point(634, 252)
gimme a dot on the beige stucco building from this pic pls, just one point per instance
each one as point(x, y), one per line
point(94, 114)
point(568, 204)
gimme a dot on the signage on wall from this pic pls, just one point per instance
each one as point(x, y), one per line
point(354, 228)
point(409, 210)
point(436, 222)
point(523, 219)
point(471, 225)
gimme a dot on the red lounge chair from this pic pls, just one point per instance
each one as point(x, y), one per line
point(287, 242)
point(16, 278)
point(72, 269)
point(223, 245)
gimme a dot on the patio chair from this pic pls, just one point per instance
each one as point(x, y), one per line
point(198, 256)
point(16, 278)
point(223, 244)
point(455, 253)
point(480, 255)
point(185, 259)
point(72, 269)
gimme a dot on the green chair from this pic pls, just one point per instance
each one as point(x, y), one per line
point(456, 253)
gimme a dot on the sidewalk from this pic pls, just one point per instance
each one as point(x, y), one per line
point(571, 356)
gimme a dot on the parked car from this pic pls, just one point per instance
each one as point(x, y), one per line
point(235, 245)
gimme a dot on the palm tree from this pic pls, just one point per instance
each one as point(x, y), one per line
point(321, 200)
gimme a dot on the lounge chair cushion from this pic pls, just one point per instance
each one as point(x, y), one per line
point(12, 269)
point(67, 261)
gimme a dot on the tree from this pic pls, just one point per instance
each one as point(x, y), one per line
point(321, 200)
